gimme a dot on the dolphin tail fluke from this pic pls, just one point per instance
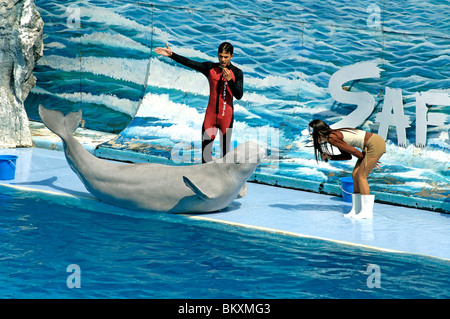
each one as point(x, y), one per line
point(58, 123)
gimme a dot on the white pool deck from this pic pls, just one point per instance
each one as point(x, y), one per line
point(268, 208)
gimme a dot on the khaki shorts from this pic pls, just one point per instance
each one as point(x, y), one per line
point(375, 146)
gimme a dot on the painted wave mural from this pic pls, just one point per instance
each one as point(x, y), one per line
point(99, 55)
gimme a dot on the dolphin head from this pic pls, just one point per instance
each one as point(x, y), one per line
point(244, 158)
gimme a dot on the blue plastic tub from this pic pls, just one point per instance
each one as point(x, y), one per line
point(347, 188)
point(8, 166)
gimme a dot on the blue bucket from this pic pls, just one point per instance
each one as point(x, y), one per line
point(8, 166)
point(347, 188)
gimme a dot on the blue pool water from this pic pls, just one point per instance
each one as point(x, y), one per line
point(122, 254)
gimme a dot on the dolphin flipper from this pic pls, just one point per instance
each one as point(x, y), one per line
point(201, 194)
point(58, 123)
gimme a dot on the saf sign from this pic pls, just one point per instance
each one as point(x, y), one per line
point(392, 112)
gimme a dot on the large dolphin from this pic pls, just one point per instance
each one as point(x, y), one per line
point(156, 187)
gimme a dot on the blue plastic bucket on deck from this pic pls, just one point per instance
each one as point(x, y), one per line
point(8, 166)
point(347, 188)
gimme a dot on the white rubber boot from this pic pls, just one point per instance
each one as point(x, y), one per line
point(356, 206)
point(366, 207)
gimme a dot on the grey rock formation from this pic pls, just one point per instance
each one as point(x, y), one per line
point(21, 45)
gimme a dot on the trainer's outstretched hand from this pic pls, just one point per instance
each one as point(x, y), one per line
point(164, 51)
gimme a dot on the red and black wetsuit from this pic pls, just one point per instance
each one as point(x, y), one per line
point(219, 112)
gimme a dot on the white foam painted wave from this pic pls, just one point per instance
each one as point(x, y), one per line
point(288, 83)
point(414, 157)
point(310, 161)
point(54, 44)
point(109, 17)
point(113, 102)
point(160, 106)
point(130, 70)
point(242, 111)
point(110, 101)
point(110, 40)
point(312, 172)
point(177, 132)
point(427, 177)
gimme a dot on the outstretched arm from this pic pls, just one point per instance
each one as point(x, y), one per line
point(202, 67)
point(164, 51)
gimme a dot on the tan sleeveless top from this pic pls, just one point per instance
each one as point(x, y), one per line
point(354, 138)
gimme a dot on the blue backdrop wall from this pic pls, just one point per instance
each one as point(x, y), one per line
point(389, 61)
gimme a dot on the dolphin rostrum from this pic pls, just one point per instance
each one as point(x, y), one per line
point(156, 187)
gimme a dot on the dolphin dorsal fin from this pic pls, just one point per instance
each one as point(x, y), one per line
point(201, 194)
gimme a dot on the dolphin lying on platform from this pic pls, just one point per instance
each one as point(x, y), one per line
point(177, 189)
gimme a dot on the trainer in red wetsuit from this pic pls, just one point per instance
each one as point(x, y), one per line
point(226, 82)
